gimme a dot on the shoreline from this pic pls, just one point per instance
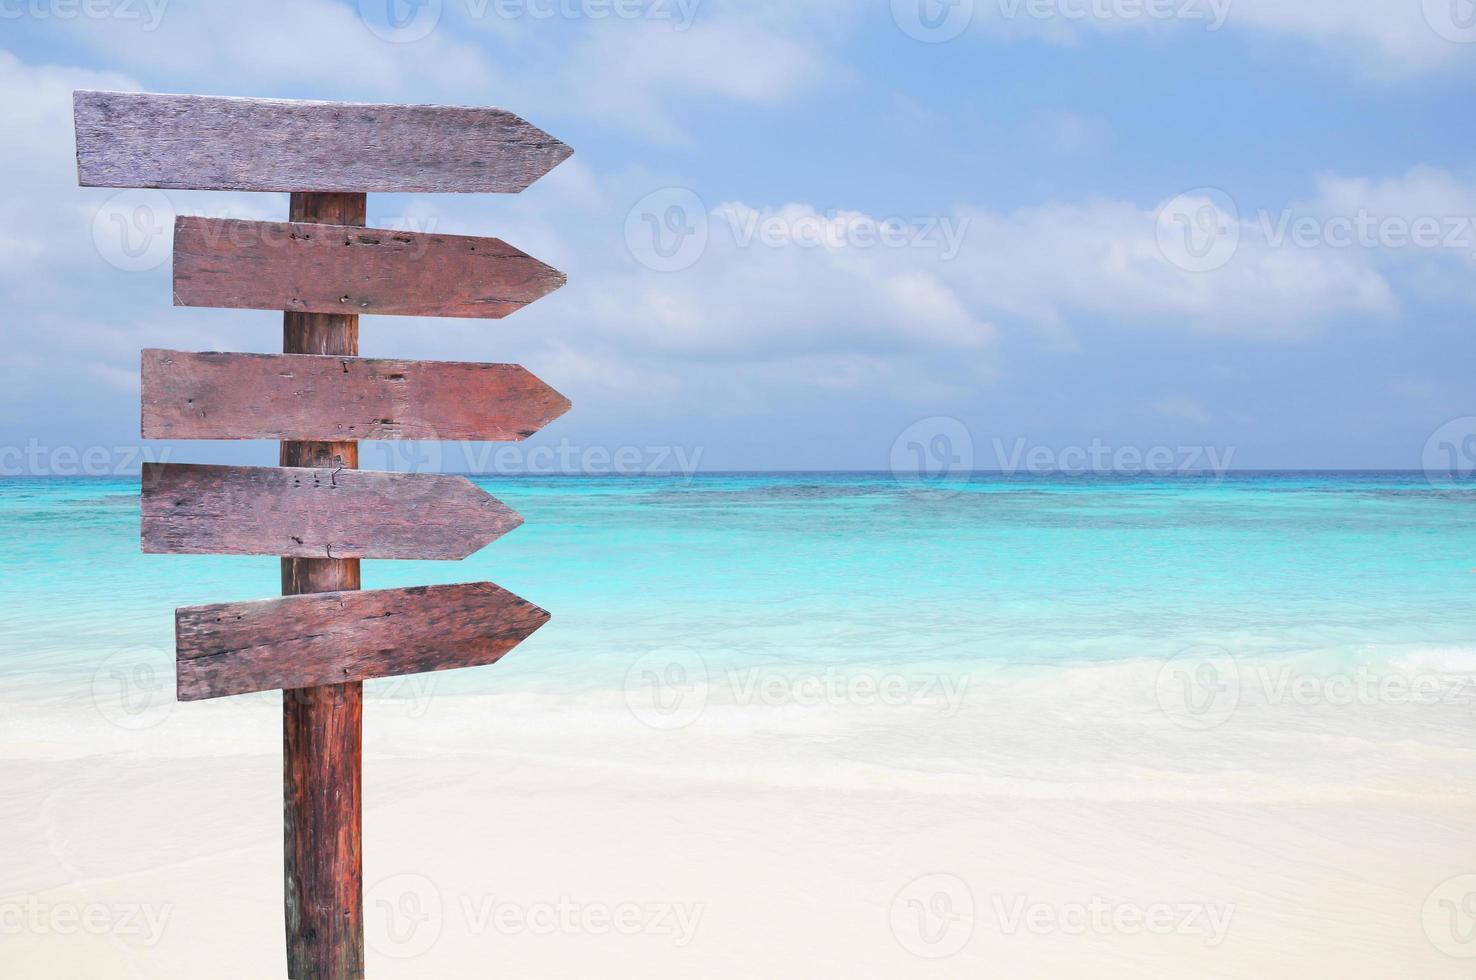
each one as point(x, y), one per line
point(800, 839)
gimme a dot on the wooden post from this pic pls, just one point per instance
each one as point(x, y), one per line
point(325, 267)
point(322, 727)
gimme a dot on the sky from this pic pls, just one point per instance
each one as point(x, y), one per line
point(827, 234)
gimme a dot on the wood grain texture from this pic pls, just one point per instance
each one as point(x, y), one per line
point(303, 512)
point(322, 811)
point(316, 397)
point(132, 139)
point(321, 268)
point(334, 637)
point(322, 727)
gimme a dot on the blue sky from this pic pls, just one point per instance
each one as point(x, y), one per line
point(805, 235)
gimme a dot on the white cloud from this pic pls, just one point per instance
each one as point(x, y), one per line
point(120, 379)
point(632, 76)
point(36, 113)
point(792, 284)
point(1418, 228)
point(41, 170)
point(1425, 391)
point(1402, 35)
point(1354, 248)
point(757, 295)
point(793, 296)
point(629, 74)
point(1103, 258)
point(1390, 36)
point(1067, 132)
point(812, 307)
point(1181, 407)
point(270, 46)
point(1420, 192)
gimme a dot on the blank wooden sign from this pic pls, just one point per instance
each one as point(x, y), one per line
point(131, 139)
point(324, 270)
point(314, 397)
point(338, 637)
point(301, 512)
point(303, 268)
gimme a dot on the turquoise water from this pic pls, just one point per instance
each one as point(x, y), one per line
point(824, 569)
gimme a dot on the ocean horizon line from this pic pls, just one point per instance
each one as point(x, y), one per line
point(901, 478)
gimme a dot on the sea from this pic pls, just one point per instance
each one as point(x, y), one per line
point(818, 574)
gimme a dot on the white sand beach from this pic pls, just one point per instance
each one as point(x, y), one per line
point(1056, 824)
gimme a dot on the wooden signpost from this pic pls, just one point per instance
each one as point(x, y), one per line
point(303, 512)
point(314, 397)
point(257, 265)
point(316, 511)
point(311, 640)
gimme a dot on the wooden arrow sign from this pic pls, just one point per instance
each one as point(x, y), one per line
point(338, 637)
point(305, 268)
point(324, 269)
point(331, 399)
point(130, 139)
point(299, 512)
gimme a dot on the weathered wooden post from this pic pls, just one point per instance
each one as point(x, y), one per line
point(323, 727)
point(323, 269)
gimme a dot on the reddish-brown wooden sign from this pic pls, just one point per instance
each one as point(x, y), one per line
point(317, 397)
point(132, 139)
point(309, 268)
point(300, 512)
point(334, 637)
point(316, 511)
